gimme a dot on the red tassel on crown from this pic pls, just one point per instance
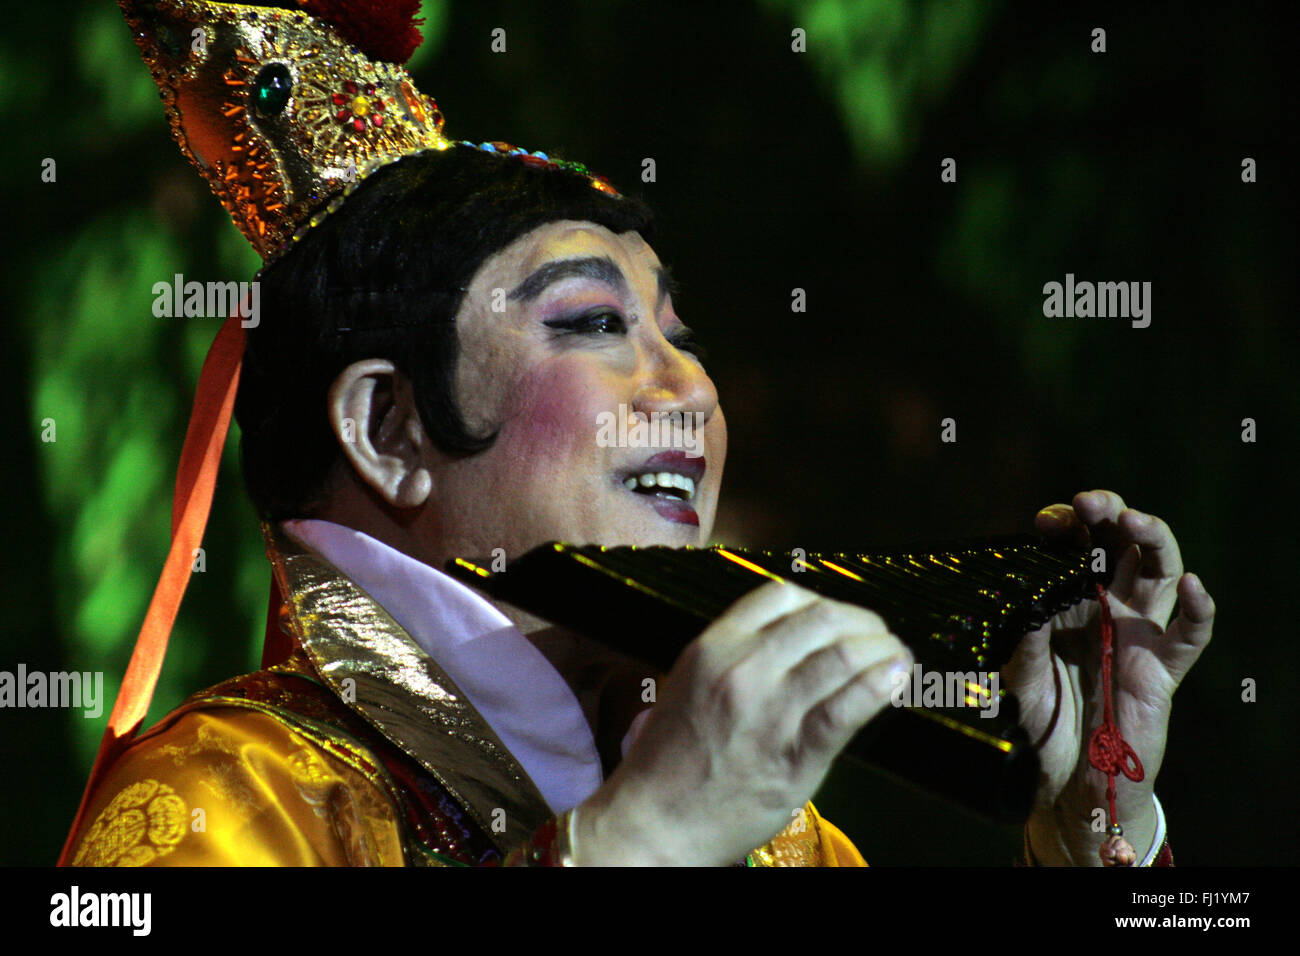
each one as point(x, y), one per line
point(381, 30)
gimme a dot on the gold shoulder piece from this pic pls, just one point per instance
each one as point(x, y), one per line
point(377, 669)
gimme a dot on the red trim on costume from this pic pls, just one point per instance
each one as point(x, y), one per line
point(278, 645)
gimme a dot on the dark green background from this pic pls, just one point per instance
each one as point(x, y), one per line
point(775, 170)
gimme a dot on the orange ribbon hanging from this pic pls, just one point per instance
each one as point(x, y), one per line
point(196, 481)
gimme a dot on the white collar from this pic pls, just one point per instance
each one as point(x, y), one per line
point(507, 680)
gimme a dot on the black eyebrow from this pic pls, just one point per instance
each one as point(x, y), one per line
point(600, 268)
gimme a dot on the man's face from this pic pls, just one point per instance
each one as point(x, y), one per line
point(588, 336)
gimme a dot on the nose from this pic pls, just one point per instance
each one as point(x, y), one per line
point(672, 381)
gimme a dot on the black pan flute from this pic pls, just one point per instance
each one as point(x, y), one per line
point(961, 607)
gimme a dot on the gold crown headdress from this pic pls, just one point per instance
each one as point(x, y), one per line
point(284, 108)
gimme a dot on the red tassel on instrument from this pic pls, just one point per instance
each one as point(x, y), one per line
point(1108, 751)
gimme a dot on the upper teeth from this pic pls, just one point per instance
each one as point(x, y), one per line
point(663, 479)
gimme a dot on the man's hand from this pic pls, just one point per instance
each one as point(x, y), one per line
point(1056, 674)
point(745, 730)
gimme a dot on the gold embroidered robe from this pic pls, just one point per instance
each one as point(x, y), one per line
point(359, 750)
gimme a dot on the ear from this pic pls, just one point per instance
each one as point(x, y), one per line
point(371, 409)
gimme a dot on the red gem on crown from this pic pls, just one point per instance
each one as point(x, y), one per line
point(359, 106)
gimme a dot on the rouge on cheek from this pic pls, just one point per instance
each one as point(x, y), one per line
point(556, 407)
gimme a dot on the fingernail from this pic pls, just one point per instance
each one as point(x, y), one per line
point(893, 673)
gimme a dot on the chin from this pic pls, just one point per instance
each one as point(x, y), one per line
point(636, 533)
point(622, 521)
point(662, 532)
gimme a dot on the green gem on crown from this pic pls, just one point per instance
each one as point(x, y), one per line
point(272, 89)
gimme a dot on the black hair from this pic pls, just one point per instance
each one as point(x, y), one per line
point(384, 277)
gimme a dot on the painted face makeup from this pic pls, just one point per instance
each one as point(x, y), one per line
point(608, 427)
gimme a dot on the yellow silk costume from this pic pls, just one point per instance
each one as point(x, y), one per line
point(356, 751)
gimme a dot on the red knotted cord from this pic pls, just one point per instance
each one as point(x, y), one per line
point(1108, 751)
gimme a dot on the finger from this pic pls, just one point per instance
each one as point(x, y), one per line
point(736, 634)
point(1059, 522)
point(1098, 506)
point(787, 641)
point(757, 609)
point(1062, 523)
point(1101, 510)
point(824, 671)
point(831, 724)
point(1190, 633)
point(1154, 585)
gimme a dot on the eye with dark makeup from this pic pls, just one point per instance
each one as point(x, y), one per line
point(603, 322)
point(607, 322)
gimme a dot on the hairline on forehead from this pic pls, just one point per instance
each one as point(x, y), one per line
point(536, 255)
point(596, 264)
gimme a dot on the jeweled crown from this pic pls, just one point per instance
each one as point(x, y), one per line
point(285, 109)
